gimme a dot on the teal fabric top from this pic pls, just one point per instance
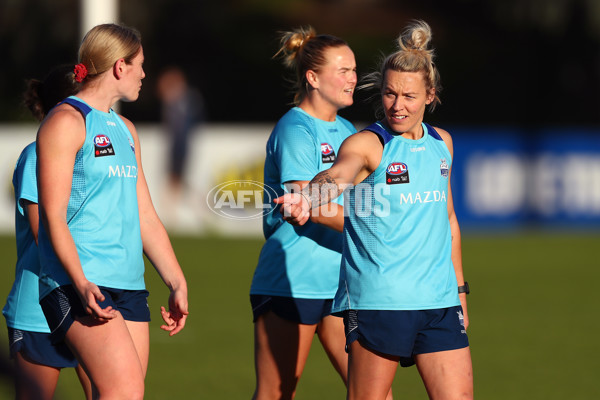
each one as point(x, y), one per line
point(102, 213)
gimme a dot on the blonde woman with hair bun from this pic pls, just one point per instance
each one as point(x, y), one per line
point(402, 290)
point(298, 268)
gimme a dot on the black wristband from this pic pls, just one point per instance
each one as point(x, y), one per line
point(464, 288)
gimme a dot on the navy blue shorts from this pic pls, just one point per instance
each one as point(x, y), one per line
point(302, 311)
point(62, 306)
point(405, 334)
point(38, 348)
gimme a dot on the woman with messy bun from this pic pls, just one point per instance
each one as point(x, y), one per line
point(402, 292)
point(298, 269)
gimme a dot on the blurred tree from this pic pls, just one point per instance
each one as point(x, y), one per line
point(35, 35)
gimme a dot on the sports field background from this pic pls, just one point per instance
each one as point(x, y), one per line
point(533, 310)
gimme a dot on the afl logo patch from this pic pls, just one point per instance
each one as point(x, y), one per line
point(103, 146)
point(327, 153)
point(101, 140)
point(396, 172)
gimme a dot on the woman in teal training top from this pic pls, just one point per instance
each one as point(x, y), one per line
point(298, 268)
point(97, 221)
point(402, 290)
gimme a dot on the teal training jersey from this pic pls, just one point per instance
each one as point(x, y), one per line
point(102, 213)
point(301, 262)
point(22, 310)
point(397, 253)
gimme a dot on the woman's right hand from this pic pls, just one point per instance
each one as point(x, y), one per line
point(90, 295)
point(294, 208)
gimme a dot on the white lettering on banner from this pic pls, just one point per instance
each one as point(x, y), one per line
point(495, 183)
point(544, 191)
point(573, 189)
point(550, 184)
point(122, 171)
point(581, 194)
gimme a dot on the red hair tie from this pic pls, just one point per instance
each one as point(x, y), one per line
point(80, 72)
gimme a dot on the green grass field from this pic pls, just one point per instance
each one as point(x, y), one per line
point(533, 309)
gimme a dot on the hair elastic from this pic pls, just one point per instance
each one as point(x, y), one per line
point(80, 72)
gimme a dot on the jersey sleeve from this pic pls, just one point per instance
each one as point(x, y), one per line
point(296, 153)
point(25, 179)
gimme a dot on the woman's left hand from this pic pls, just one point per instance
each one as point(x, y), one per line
point(177, 314)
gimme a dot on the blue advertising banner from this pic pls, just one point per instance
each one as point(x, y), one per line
point(509, 178)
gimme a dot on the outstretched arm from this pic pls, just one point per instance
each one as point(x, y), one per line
point(330, 215)
point(359, 155)
point(296, 206)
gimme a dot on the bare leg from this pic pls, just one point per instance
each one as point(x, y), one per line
point(280, 350)
point(447, 375)
point(108, 354)
point(141, 338)
point(370, 374)
point(332, 337)
point(34, 381)
point(86, 384)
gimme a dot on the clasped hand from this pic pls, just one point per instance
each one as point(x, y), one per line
point(294, 208)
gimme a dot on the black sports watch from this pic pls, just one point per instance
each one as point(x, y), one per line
point(464, 288)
